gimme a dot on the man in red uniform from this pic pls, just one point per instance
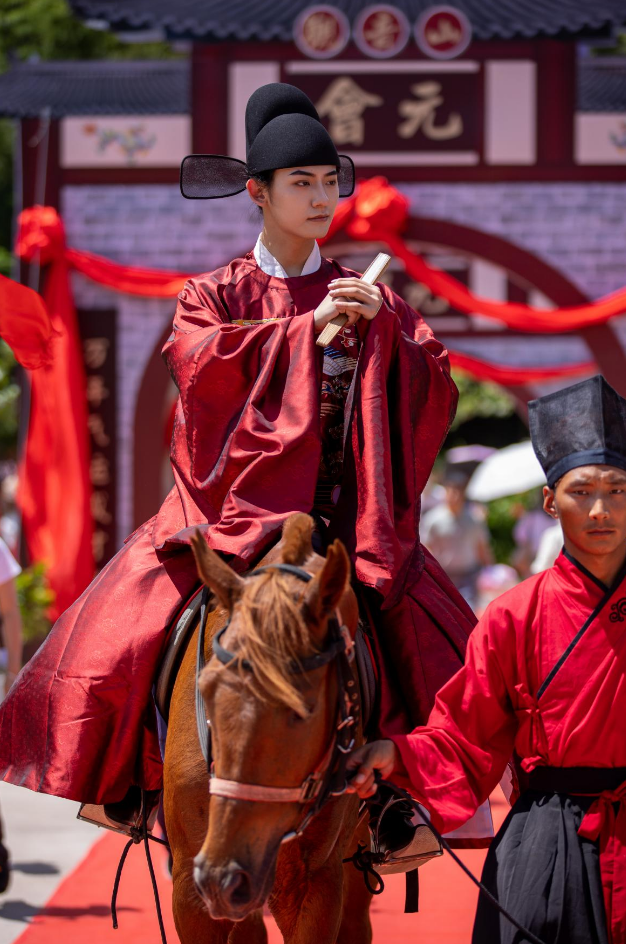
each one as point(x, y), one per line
point(267, 424)
point(544, 678)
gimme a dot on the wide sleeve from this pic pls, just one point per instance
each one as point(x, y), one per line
point(457, 759)
point(246, 439)
point(424, 366)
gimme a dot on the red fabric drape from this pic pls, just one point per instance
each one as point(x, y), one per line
point(54, 493)
point(25, 323)
point(515, 376)
point(132, 280)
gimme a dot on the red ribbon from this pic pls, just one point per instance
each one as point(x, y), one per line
point(516, 376)
point(377, 212)
point(40, 235)
point(527, 704)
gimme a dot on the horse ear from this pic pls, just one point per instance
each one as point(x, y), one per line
point(296, 545)
point(215, 572)
point(327, 588)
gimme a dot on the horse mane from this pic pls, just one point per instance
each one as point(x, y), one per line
point(272, 630)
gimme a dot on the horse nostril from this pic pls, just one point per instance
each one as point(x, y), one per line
point(236, 887)
point(200, 869)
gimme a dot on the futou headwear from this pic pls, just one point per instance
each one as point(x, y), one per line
point(283, 129)
point(584, 424)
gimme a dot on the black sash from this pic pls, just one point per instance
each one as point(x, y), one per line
point(587, 781)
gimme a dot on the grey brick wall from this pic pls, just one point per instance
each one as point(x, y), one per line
point(577, 228)
point(147, 226)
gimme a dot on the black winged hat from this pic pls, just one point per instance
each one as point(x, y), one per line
point(283, 129)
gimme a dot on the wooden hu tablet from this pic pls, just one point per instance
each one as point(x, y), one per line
point(371, 275)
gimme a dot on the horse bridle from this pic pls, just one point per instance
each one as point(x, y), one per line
point(329, 777)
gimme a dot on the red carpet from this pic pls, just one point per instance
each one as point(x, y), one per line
point(78, 912)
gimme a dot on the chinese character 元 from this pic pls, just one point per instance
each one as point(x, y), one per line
point(344, 103)
point(421, 114)
point(96, 350)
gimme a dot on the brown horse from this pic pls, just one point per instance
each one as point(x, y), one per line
point(270, 727)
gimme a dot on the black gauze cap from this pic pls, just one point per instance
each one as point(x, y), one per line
point(291, 141)
point(283, 129)
point(580, 425)
point(270, 101)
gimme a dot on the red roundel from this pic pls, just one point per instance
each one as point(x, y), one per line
point(381, 31)
point(443, 32)
point(321, 31)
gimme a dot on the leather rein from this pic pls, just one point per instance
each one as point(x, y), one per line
point(329, 777)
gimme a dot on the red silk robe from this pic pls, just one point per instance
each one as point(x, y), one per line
point(545, 675)
point(246, 447)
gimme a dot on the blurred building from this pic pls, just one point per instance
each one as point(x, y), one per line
point(508, 137)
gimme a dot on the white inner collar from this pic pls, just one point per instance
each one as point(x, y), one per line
point(271, 266)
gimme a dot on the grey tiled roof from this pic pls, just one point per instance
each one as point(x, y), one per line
point(273, 19)
point(146, 87)
point(602, 85)
point(120, 87)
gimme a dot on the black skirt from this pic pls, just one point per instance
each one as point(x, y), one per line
point(544, 874)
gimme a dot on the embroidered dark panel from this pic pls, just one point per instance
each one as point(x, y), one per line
point(618, 611)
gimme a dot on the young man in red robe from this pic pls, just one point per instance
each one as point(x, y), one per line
point(267, 424)
point(545, 680)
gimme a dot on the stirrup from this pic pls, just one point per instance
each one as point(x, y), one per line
point(127, 815)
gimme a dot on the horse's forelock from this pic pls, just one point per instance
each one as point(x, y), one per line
point(272, 635)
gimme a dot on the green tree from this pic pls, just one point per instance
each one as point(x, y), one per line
point(48, 29)
point(480, 400)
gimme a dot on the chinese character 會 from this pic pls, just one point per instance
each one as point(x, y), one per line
point(421, 114)
point(344, 103)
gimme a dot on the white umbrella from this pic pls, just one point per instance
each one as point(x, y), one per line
point(508, 471)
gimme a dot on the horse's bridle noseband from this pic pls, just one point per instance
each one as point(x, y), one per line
point(329, 777)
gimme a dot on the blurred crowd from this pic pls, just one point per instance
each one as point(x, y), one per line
point(455, 529)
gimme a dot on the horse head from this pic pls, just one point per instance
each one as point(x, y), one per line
point(272, 724)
